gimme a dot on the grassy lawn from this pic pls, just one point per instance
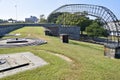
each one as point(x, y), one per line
point(88, 63)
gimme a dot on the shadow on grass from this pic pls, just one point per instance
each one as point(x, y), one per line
point(75, 43)
point(85, 45)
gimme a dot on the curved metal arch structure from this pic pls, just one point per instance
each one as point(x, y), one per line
point(105, 15)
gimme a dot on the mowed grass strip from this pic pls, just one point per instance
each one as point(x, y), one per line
point(88, 63)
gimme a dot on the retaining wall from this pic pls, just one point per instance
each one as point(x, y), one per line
point(4, 29)
point(56, 30)
point(72, 31)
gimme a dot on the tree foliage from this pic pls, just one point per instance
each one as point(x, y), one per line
point(95, 30)
point(92, 27)
point(42, 19)
point(74, 20)
point(53, 17)
point(1, 20)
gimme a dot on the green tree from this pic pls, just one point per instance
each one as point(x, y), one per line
point(1, 20)
point(74, 20)
point(42, 19)
point(53, 17)
point(95, 30)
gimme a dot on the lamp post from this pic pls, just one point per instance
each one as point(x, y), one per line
point(16, 11)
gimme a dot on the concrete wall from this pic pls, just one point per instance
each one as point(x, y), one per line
point(56, 30)
point(4, 29)
point(72, 31)
point(42, 24)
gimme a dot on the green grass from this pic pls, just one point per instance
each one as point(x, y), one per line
point(88, 63)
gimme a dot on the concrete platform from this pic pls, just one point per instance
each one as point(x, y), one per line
point(19, 62)
point(11, 42)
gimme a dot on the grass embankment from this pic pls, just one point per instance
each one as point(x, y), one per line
point(88, 60)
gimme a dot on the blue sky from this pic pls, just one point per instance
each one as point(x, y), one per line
point(26, 8)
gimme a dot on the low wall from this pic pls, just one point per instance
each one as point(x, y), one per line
point(56, 30)
point(4, 29)
point(72, 31)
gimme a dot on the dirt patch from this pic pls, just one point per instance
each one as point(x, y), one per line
point(60, 55)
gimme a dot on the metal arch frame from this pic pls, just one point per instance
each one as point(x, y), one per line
point(105, 15)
